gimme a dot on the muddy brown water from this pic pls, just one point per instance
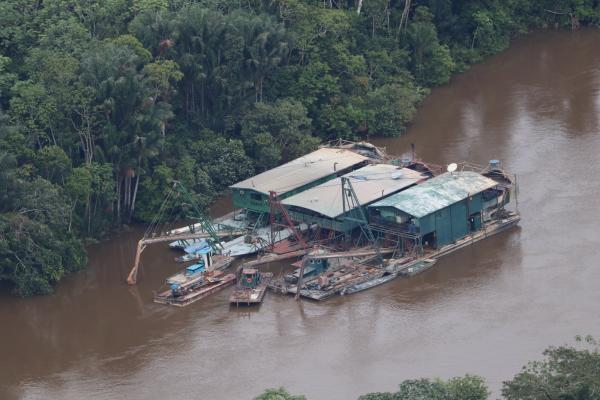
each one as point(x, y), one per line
point(484, 310)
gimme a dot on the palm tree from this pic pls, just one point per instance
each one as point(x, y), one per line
point(133, 119)
point(266, 47)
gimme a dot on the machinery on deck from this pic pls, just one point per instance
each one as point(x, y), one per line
point(203, 228)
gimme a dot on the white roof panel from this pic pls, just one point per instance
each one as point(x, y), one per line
point(370, 183)
point(301, 171)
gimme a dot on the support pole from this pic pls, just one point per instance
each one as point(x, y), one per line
point(301, 277)
point(132, 278)
point(275, 206)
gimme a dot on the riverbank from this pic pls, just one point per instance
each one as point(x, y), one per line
point(479, 311)
point(100, 116)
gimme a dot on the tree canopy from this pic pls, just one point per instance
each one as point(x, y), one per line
point(566, 372)
point(103, 103)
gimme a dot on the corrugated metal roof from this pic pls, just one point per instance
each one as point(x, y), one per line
point(370, 183)
point(437, 193)
point(301, 171)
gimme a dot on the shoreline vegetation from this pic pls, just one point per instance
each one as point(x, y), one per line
point(103, 104)
point(566, 372)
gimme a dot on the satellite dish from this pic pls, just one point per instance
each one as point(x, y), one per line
point(452, 167)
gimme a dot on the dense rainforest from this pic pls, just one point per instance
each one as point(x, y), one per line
point(104, 103)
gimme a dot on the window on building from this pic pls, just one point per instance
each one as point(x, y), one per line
point(256, 196)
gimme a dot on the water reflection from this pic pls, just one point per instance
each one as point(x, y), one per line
point(485, 309)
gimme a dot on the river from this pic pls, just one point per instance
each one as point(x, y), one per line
point(485, 310)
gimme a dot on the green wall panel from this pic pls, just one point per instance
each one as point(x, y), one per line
point(443, 227)
point(475, 203)
point(460, 225)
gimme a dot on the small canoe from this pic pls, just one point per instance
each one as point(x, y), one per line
point(418, 267)
point(368, 284)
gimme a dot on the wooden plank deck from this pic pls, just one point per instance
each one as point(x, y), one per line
point(200, 293)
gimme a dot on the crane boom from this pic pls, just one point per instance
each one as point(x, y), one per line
point(207, 230)
point(205, 224)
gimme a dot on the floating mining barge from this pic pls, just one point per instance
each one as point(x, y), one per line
point(348, 217)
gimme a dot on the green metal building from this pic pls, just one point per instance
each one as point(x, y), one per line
point(294, 177)
point(443, 209)
point(323, 204)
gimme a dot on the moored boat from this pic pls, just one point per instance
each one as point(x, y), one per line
point(195, 289)
point(314, 267)
point(208, 258)
point(334, 281)
point(251, 287)
point(197, 280)
point(359, 287)
point(418, 266)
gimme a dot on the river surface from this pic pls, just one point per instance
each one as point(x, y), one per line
point(485, 310)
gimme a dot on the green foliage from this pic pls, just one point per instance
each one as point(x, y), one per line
point(6, 77)
point(278, 394)
point(432, 64)
point(224, 161)
point(103, 103)
point(391, 108)
point(141, 6)
point(79, 184)
point(31, 108)
point(468, 387)
point(133, 44)
point(277, 132)
point(52, 163)
point(163, 75)
point(377, 396)
point(36, 249)
point(13, 142)
point(565, 373)
point(33, 256)
point(153, 189)
point(421, 389)
point(492, 32)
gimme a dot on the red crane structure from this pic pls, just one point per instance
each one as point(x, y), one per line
point(275, 207)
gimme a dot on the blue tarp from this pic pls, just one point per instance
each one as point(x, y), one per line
point(204, 250)
point(195, 268)
point(195, 248)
